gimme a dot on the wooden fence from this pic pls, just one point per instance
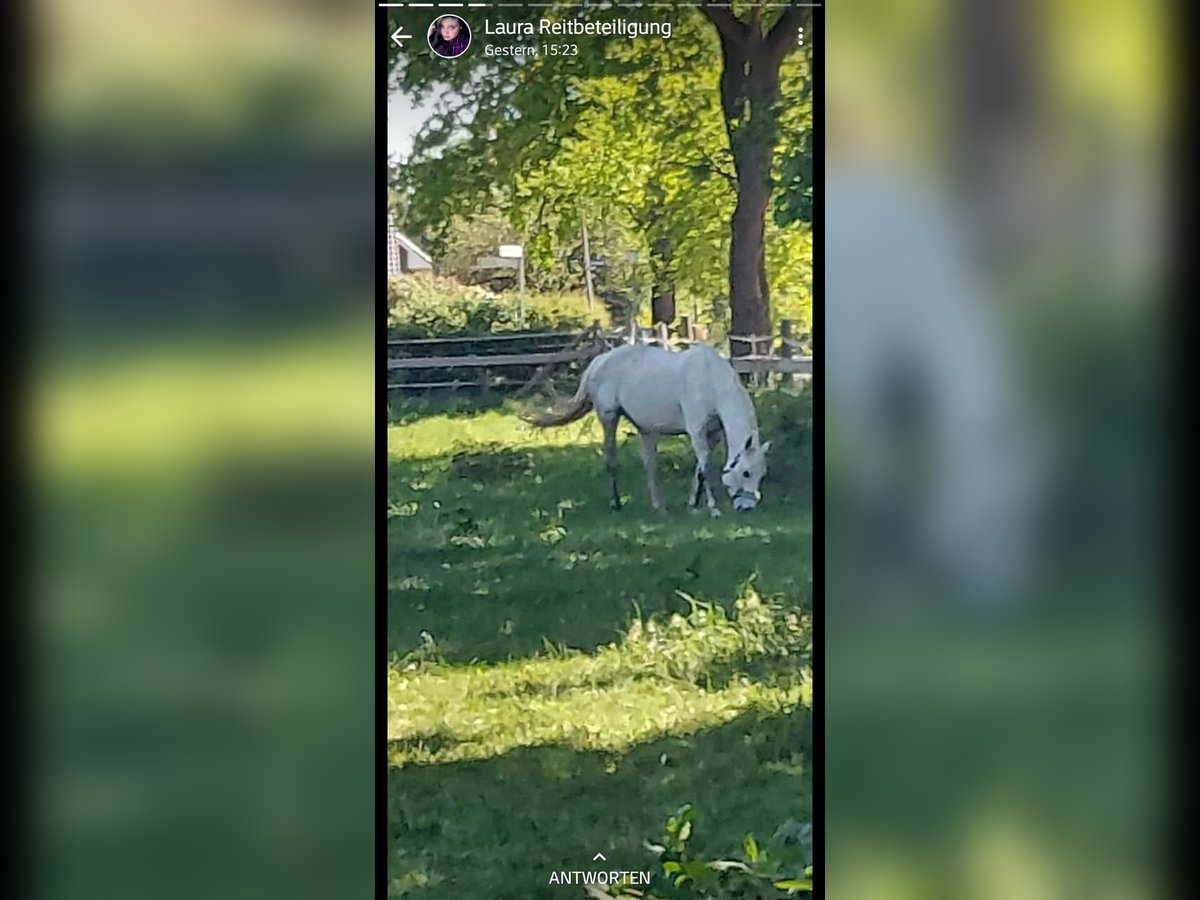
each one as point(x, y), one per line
point(532, 358)
point(782, 355)
point(528, 358)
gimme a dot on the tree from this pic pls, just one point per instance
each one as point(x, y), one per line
point(752, 55)
point(661, 146)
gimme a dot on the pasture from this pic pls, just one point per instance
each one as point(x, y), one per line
point(564, 677)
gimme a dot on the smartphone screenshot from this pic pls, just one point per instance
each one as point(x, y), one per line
point(600, 354)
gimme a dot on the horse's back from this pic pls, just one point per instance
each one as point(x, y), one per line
point(698, 365)
point(660, 390)
point(703, 358)
point(634, 361)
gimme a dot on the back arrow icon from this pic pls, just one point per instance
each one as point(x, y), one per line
point(398, 37)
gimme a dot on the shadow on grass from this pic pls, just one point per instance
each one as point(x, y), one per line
point(497, 556)
point(407, 406)
point(499, 827)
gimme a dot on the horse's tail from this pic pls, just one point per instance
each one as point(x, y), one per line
point(568, 411)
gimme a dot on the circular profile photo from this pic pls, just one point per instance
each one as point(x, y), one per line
point(449, 36)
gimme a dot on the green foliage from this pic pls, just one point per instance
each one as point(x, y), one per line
point(789, 267)
point(711, 646)
point(423, 306)
point(794, 161)
point(466, 238)
point(630, 135)
point(786, 419)
point(781, 867)
point(794, 202)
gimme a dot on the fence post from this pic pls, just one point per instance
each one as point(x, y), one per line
point(785, 346)
point(521, 288)
point(484, 379)
point(663, 337)
point(685, 328)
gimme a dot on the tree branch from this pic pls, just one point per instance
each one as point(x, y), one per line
point(731, 28)
point(717, 168)
point(784, 33)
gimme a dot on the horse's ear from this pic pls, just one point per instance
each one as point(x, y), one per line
point(765, 447)
point(750, 443)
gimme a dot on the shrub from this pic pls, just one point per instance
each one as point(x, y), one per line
point(760, 638)
point(785, 418)
point(423, 306)
point(781, 867)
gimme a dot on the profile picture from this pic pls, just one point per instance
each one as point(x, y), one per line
point(449, 36)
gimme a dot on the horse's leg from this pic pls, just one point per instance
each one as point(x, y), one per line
point(650, 461)
point(700, 446)
point(716, 432)
point(610, 455)
point(697, 478)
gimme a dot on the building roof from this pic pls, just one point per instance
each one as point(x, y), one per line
point(411, 248)
point(402, 241)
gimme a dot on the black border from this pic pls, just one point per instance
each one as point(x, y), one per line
point(382, 39)
point(817, 74)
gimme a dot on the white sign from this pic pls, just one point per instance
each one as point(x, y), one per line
point(511, 251)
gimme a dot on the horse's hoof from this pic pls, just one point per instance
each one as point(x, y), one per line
point(614, 506)
point(715, 513)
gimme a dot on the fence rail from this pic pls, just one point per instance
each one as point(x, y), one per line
point(471, 339)
point(485, 361)
point(561, 348)
point(772, 365)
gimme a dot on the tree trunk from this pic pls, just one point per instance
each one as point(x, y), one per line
point(587, 263)
point(662, 299)
point(749, 91)
point(753, 143)
point(748, 305)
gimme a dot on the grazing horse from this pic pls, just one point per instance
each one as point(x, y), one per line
point(696, 393)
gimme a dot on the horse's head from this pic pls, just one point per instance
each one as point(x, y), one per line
point(743, 473)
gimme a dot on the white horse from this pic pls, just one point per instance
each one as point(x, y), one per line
point(696, 393)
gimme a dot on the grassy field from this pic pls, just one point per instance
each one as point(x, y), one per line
point(563, 677)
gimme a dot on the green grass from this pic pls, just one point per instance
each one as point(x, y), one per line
point(565, 677)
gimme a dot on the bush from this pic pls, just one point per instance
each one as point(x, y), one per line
point(781, 867)
point(422, 306)
point(763, 639)
point(785, 418)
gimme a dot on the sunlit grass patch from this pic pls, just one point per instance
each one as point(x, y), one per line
point(674, 677)
point(433, 435)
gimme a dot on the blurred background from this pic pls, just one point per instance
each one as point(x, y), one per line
point(994, 639)
point(203, 415)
